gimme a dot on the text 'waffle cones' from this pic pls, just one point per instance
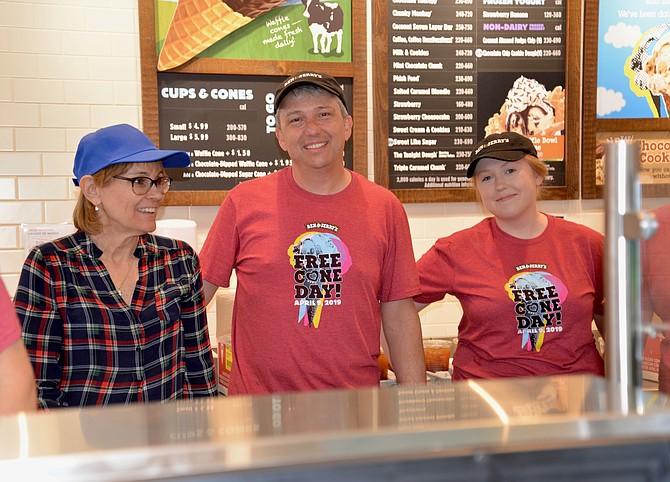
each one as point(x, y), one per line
point(198, 24)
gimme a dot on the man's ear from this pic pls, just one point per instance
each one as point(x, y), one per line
point(90, 189)
point(348, 127)
point(280, 139)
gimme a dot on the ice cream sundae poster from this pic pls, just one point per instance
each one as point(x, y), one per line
point(633, 59)
point(531, 103)
point(296, 30)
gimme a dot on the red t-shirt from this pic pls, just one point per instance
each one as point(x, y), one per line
point(10, 329)
point(528, 304)
point(656, 286)
point(311, 273)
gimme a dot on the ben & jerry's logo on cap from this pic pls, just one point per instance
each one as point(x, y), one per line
point(323, 81)
point(489, 144)
point(303, 75)
point(504, 146)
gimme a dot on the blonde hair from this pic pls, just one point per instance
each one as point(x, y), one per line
point(84, 215)
point(539, 167)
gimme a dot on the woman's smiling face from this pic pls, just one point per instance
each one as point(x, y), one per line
point(508, 190)
point(122, 210)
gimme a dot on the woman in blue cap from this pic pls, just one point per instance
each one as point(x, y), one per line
point(112, 314)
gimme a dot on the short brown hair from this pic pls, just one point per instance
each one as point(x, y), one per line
point(84, 215)
point(303, 90)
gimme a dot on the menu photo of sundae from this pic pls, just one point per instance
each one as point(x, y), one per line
point(535, 112)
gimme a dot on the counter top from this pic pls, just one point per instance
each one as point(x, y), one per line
point(245, 434)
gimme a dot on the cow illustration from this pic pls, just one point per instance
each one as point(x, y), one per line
point(325, 21)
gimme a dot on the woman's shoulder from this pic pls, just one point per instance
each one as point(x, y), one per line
point(163, 243)
point(482, 227)
point(68, 243)
point(571, 229)
point(472, 236)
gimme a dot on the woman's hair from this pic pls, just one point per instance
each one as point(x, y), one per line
point(539, 167)
point(84, 216)
point(302, 90)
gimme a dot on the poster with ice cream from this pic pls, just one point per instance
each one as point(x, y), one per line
point(633, 59)
point(300, 30)
point(531, 103)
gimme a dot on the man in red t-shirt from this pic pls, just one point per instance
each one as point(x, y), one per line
point(322, 256)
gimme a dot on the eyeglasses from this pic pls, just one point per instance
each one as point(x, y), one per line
point(142, 185)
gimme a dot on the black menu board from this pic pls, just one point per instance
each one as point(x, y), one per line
point(462, 69)
point(226, 123)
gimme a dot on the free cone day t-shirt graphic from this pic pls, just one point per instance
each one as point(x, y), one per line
point(538, 299)
point(320, 261)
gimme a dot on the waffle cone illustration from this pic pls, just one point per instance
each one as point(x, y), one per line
point(198, 24)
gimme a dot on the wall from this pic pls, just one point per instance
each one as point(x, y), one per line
point(72, 66)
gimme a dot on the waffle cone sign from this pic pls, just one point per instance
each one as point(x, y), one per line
point(199, 24)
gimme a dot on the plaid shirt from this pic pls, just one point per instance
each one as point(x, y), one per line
point(88, 347)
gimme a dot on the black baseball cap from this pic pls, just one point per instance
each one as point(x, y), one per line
point(505, 146)
point(324, 81)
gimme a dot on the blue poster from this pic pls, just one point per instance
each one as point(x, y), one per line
point(633, 59)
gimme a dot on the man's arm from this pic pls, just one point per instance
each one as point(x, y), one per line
point(200, 375)
point(384, 343)
point(402, 329)
point(17, 381)
point(210, 290)
point(600, 324)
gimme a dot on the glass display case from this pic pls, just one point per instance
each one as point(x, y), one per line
point(556, 428)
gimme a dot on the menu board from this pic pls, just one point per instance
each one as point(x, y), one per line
point(459, 70)
point(226, 123)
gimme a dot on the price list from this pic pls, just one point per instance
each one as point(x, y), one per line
point(226, 124)
point(452, 64)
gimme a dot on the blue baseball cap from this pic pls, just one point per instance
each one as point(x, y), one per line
point(117, 144)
